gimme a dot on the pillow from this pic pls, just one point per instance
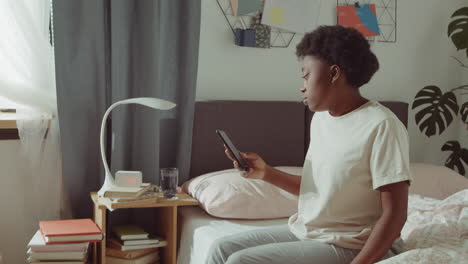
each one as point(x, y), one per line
point(437, 182)
point(227, 194)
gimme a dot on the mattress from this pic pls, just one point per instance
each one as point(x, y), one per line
point(199, 231)
point(434, 231)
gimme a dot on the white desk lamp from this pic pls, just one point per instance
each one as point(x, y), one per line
point(146, 101)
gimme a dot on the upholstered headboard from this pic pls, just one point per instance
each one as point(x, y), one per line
point(275, 130)
point(278, 131)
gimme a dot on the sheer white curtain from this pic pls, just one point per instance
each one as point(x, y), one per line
point(27, 78)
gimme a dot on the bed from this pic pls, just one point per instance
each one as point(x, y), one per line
point(255, 126)
point(200, 230)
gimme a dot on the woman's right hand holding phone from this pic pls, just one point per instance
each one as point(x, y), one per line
point(258, 168)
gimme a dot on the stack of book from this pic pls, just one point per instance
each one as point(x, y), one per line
point(131, 244)
point(121, 192)
point(64, 241)
point(139, 256)
point(118, 196)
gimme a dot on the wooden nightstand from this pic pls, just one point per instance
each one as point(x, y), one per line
point(166, 224)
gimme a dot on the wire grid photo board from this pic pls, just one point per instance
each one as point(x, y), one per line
point(279, 38)
point(386, 17)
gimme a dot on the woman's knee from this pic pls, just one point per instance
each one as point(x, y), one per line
point(220, 250)
point(255, 255)
point(237, 258)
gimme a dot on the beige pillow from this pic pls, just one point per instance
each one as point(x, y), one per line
point(227, 194)
point(437, 182)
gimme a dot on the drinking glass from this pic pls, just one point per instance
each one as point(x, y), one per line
point(168, 180)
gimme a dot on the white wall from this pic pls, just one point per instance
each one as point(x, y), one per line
point(13, 223)
point(28, 194)
point(420, 57)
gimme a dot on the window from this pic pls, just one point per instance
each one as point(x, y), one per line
point(27, 78)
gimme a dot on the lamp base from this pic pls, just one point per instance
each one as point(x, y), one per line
point(107, 186)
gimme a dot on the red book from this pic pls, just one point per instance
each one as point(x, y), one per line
point(70, 231)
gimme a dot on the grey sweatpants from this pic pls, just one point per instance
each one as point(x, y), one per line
point(277, 245)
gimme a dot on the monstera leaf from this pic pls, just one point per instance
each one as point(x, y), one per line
point(464, 112)
point(458, 155)
point(458, 29)
point(438, 111)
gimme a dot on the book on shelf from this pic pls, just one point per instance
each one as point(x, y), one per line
point(147, 195)
point(36, 261)
point(57, 255)
point(126, 232)
point(127, 192)
point(112, 252)
point(37, 244)
point(146, 259)
point(113, 243)
point(70, 231)
point(147, 241)
point(118, 203)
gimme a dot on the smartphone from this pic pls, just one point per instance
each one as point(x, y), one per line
point(224, 137)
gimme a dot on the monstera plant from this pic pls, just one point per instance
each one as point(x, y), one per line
point(458, 29)
point(457, 156)
point(436, 110)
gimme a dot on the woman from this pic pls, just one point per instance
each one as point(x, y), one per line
point(353, 193)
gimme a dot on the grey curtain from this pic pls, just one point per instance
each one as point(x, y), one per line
point(106, 51)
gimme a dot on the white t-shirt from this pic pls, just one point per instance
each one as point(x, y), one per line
point(349, 157)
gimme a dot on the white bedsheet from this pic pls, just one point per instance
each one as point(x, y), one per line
point(436, 231)
point(200, 230)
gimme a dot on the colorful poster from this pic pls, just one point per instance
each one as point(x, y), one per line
point(363, 19)
point(298, 16)
point(277, 15)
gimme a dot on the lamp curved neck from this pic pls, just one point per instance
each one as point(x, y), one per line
point(103, 133)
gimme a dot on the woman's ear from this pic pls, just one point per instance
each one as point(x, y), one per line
point(335, 73)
